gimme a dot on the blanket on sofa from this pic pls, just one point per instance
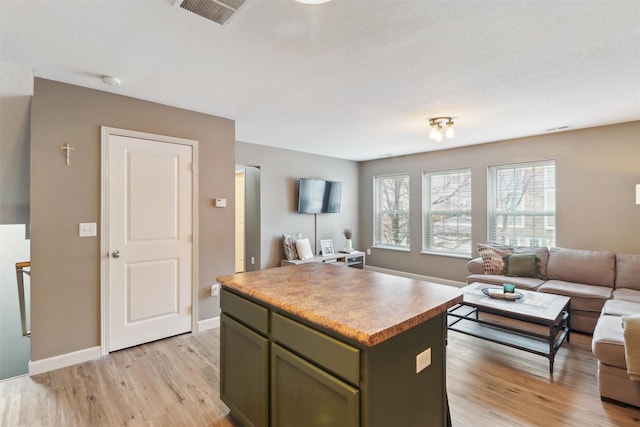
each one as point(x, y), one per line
point(631, 329)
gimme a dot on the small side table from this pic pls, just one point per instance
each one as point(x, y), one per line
point(354, 259)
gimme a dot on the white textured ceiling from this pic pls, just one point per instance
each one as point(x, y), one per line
point(353, 79)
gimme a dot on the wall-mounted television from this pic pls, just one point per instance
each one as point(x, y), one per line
point(319, 196)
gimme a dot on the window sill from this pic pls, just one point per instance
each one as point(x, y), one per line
point(392, 248)
point(447, 254)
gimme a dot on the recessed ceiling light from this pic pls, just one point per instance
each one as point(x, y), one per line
point(111, 81)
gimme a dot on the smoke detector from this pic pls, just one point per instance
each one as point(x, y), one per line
point(218, 11)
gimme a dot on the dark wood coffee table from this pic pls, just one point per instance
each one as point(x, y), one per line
point(537, 323)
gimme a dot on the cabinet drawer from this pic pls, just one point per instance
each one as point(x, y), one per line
point(335, 356)
point(245, 311)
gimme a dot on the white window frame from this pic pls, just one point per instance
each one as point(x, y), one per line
point(428, 244)
point(526, 212)
point(379, 213)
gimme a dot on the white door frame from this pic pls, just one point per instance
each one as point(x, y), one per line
point(104, 226)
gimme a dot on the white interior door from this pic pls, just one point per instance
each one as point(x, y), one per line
point(149, 256)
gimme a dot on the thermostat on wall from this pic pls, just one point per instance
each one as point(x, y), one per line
point(221, 203)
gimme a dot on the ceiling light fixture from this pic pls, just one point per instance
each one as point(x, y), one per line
point(441, 127)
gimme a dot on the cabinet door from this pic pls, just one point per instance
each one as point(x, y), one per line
point(305, 395)
point(244, 372)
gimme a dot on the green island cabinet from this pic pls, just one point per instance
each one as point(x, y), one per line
point(280, 370)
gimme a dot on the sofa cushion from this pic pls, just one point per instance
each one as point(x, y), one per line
point(521, 265)
point(304, 249)
point(628, 271)
point(583, 297)
point(627, 295)
point(492, 257)
point(289, 245)
point(527, 283)
point(582, 266)
point(608, 341)
point(542, 252)
point(614, 307)
point(475, 266)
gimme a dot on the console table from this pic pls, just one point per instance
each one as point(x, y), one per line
point(353, 259)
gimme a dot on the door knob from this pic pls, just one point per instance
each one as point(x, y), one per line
point(115, 254)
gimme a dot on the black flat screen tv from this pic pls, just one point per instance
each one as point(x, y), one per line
point(317, 196)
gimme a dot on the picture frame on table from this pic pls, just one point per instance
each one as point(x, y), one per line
point(326, 247)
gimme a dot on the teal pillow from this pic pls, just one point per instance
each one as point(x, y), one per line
point(522, 265)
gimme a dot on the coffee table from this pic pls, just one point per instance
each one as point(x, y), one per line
point(537, 322)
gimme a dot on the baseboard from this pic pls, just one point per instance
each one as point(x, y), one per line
point(80, 356)
point(417, 276)
point(63, 360)
point(210, 323)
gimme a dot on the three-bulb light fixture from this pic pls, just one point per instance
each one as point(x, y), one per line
point(441, 127)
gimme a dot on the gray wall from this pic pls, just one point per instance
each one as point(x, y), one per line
point(66, 268)
point(252, 218)
point(14, 159)
point(596, 173)
point(280, 171)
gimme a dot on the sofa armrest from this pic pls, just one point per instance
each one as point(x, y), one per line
point(475, 266)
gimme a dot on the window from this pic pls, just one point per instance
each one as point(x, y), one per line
point(522, 204)
point(391, 211)
point(446, 212)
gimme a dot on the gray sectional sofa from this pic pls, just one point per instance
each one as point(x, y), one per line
point(588, 277)
point(603, 287)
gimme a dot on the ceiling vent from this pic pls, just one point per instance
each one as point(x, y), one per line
point(218, 11)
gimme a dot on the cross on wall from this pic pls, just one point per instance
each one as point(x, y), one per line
point(68, 150)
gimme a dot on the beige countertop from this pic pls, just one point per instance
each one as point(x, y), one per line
point(365, 306)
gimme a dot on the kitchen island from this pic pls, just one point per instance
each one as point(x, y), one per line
point(318, 345)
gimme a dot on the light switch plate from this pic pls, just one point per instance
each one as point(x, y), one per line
point(215, 289)
point(88, 229)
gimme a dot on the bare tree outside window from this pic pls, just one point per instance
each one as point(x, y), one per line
point(522, 204)
point(391, 222)
point(447, 212)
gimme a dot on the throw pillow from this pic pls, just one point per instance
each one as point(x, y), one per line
point(289, 245)
point(304, 249)
point(492, 257)
point(522, 265)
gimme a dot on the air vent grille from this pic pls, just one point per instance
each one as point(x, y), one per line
point(218, 11)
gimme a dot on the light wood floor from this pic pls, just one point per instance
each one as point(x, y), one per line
point(175, 382)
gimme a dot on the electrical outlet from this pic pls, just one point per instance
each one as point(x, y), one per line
point(368, 251)
point(423, 360)
point(253, 260)
point(215, 290)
